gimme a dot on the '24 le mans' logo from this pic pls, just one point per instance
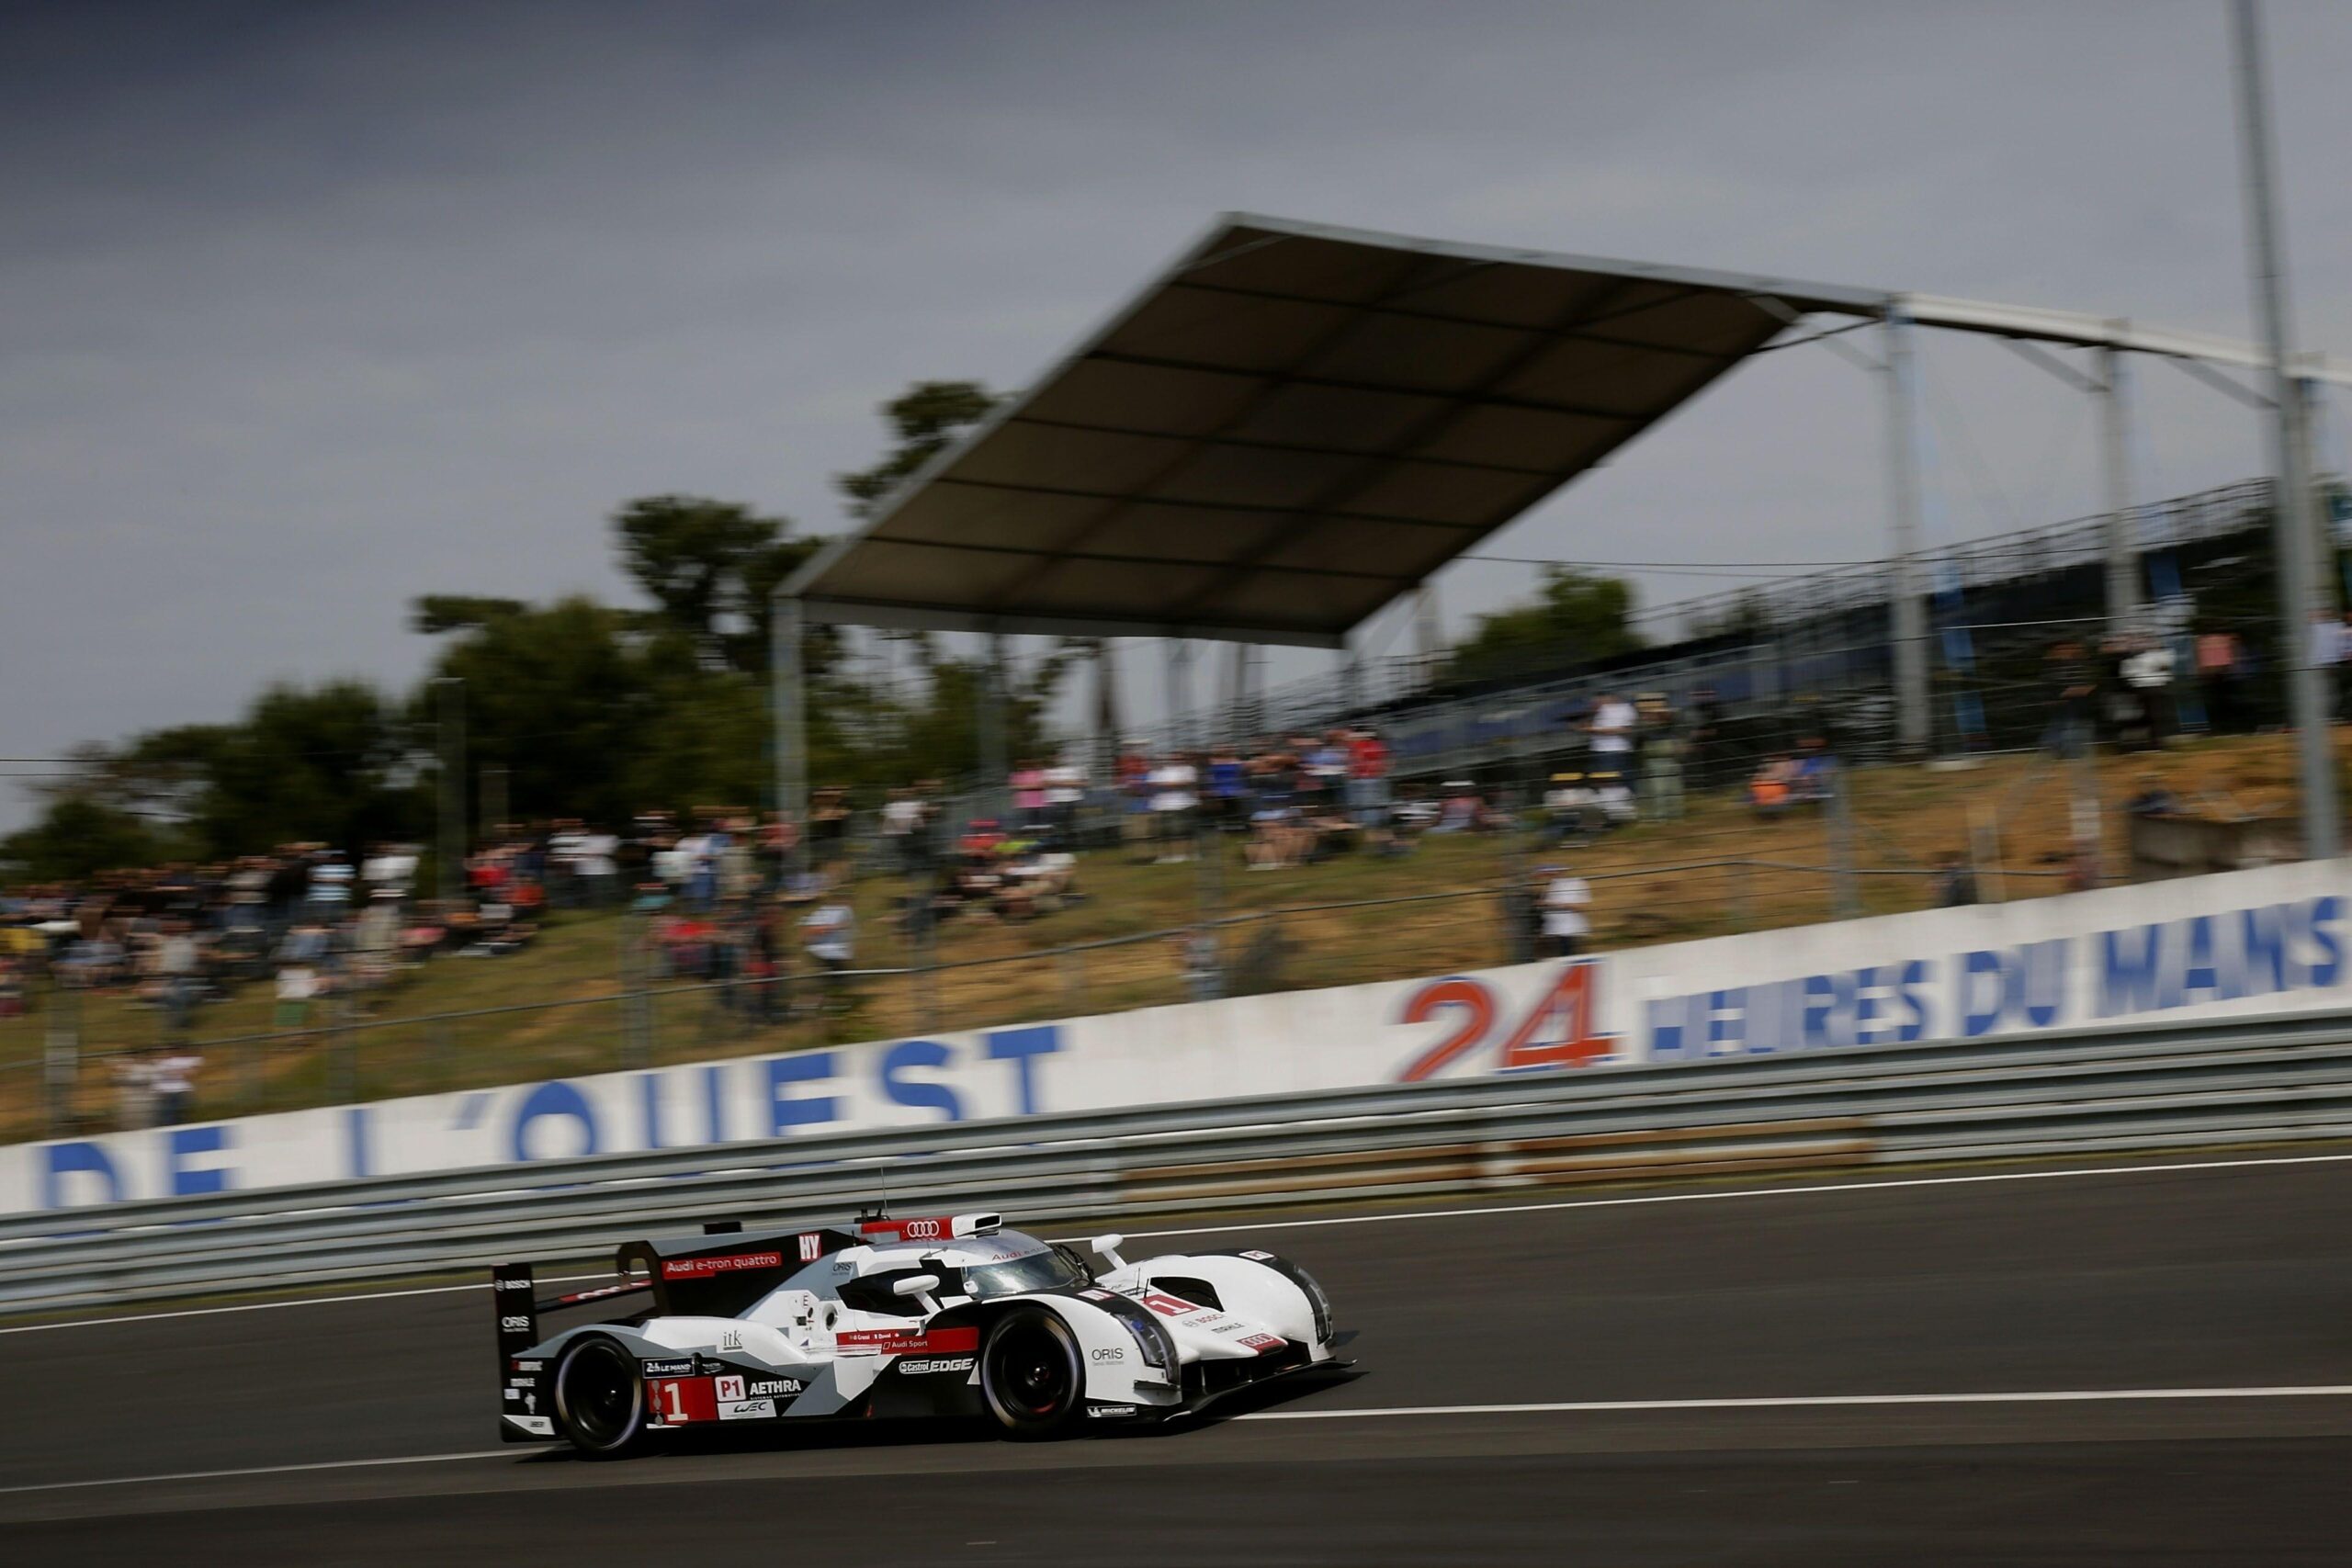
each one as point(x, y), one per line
point(1556, 1032)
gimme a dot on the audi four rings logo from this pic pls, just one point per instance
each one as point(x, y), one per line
point(922, 1230)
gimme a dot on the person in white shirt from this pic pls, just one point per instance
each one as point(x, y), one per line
point(1611, 729)
point(1172, 800)
point(1065, 791)
point(1566, 896)
point(598, 865)
point(173, 1081)
point(828, 933)
point(331, 881)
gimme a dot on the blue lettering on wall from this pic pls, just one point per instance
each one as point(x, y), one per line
point(2126, 970)
point(559, 1099)
point(1021, 1047)
point(714, 1103)
point(2041, 982)
point(649, 1107)
point(61, 1160)
point(1982, 985)
point(2204, 973)
point(930, 1053)
point(1866, 1000)
point(2262, 950)
point(786, 1110)
point(1913, 994)
point(1665, 1016)
point(1820, 999)
point(180, 1144)
point(1726, 1023)
point(359, 1155)
point(2325, 912)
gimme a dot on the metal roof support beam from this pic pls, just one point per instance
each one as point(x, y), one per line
point(1180, 695)
point(2304, 594)
point(787, 694)
point(2224, 382)
point(1907, 507)
point(2115, 450)
point(996, 767)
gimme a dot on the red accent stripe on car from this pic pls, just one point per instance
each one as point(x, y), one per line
point(898, 1342)
point(695, 1268)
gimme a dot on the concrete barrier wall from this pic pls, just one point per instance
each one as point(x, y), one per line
point(2240, 943)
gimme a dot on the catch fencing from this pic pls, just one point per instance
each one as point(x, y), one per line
point(2281, 1080)
point(362, 1047)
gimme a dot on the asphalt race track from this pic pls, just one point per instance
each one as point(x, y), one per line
point(1716, 1378)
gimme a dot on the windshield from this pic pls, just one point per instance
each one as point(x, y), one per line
point(1039, 1272)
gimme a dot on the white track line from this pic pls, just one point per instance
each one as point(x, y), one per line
point(255, 1470)
point(1809, 1401)
point(1800, 1190)
point(1577, 1406)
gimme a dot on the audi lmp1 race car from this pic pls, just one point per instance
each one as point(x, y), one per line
point(945, 1317)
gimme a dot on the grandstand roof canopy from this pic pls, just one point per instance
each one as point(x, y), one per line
point(1294, 424)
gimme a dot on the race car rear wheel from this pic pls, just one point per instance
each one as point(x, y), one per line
point(1031, 1377)
point(600, 1398)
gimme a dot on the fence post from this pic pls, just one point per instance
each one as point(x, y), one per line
point(343, 1054)
point(637, 1013)
point(1204, 957)
point(1743, 893)
point(1845, 890)
point(61, 1056)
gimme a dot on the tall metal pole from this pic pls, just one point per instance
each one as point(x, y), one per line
point(788, 695)
point(449, 694)
point(2303, 594)
point(1179, 694)
point(996, 765)
point(1908, 507)
point(1106, 711)
point(2115, 449)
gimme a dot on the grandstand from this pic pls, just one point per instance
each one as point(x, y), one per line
point(1771, 654)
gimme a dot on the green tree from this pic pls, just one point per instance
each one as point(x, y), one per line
point(710, 566)
point(925, 420)
point(563, 697)
point(332, 763)
point(1575, 618)
point(78, 836)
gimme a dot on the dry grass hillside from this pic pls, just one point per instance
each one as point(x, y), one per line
point(560, 1007)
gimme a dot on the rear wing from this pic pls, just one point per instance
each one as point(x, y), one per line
point(518, 1313)
point(514, 1299)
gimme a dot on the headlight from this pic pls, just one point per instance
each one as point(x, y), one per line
point(1317, 1300)
point(1153, 1341)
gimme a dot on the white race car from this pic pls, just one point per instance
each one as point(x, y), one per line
point(942, 1316)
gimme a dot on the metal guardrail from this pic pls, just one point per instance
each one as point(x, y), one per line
point(2213, 1084)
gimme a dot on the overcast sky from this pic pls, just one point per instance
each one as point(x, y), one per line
point(310, 309)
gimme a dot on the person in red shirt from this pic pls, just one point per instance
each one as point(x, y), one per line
point(1368, 779)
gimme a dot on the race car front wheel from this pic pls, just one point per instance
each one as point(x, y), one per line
point(1030, 1373)
point(600, 1398)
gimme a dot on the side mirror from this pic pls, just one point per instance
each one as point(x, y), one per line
point(919, 1287)
point(1108, 1247)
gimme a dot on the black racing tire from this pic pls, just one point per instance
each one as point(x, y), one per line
point(600, 1397)
point(1032, 1378)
